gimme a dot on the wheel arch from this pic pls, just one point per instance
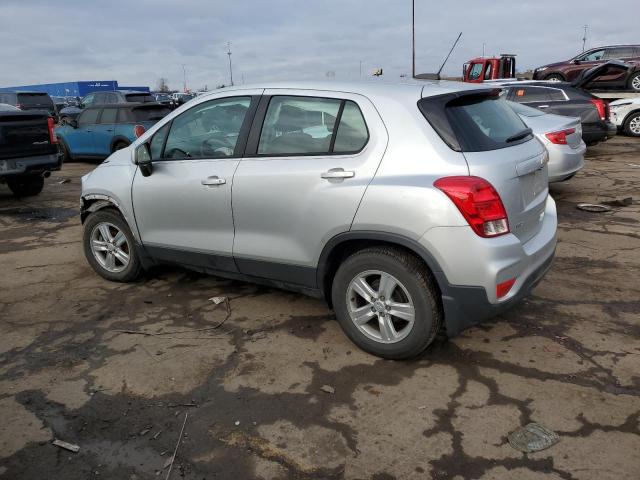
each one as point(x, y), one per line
point(92, 203)
point(558, 73)
point(628, 115)
point(119, 139)
point(344, 244)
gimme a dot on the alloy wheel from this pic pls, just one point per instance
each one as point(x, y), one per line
point(110, 247)
point(635, 83)
point(380, 306)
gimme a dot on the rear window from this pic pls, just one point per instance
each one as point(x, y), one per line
point(525, 110)
point(474, 122)
point(140, 97)
point(143, 114)
point(34, 99)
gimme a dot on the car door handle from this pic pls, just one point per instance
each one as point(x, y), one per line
point(543, 106)
point(338, 173)
point(109, 129)
point(213, 180)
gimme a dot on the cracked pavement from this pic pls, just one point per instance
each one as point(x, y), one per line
point(567, 357)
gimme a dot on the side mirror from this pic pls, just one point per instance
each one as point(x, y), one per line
point(575, 62)
point(143, 159)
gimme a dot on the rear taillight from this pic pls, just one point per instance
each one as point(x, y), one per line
point(601, 107)
point(52, 136)
point(503, 288)
point(139, 130)
point(478, 202)
point(560, 138)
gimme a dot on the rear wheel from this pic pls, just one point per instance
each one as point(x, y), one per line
point(119, 146)
point(632, 124)
point(554, 77)
point(66, 156)
point(634, 82)
point(386, 302)
point(26, 186)
point(109, 246)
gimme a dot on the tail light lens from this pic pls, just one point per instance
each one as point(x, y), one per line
point(601, 107)
point(139, 130)
point(503, 288)
point(560, 138)
point(52, 136)
point(478, 202)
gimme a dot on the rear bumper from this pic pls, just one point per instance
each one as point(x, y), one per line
point(472, 267)
point(30, 165)
point(564, 161)
point(598, 132)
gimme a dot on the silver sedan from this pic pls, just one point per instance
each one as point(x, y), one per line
point(561, 136)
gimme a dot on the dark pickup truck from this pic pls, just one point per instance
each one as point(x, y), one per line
point(28, 150)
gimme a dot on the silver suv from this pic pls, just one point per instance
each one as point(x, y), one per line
point(409, 208)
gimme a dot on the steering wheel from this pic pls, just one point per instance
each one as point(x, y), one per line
point(177, 153)
point(213, 147)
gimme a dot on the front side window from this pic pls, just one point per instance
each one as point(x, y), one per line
point(207, 130)
point(108, 116)
point(157, 142)
point(88, 117)
point(476, 71)
point(593, 56)
point(298, 126)
point(88, 100)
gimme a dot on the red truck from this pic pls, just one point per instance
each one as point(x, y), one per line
point(480, 69)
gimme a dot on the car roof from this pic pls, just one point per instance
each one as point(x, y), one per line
point(371, 88)
point(96, 106)
point(617, 45)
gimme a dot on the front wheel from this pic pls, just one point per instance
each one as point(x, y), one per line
point(632, 125)
point(634, 82)
point(386, 302)
point(26, 186)
point(554, 77)
point(109, 247)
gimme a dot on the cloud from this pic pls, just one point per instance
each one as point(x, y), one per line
point(137, 42)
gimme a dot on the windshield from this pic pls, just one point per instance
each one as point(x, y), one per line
point(524, 110)
point(140, 97)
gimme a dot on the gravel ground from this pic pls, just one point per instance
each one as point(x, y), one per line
point(568, 357)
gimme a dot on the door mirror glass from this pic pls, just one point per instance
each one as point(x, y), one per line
point(143, 159)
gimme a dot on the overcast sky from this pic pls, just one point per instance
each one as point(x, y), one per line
point(137, 42)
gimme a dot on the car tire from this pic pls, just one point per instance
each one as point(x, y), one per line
point(26, 186)
point(103, 246)
point(119, 146)
point(66, 156)
point(634, 82)
point(631, 125)
point(414, 291)
point(554, 77)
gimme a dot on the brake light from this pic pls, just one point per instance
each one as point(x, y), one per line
point(478, 202)
point(503, 288)
point(601, 107)
point(139, 130)
point(52, 136)
point(560, 138)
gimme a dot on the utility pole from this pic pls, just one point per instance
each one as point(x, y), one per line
point(230, 69)
point(584, 37)
point(184, 78)
point(413, 38)
point(360, 68)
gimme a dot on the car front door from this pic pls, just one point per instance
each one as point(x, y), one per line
point(310, 157)
point(80, 139)
point(585, 62)
point(183, 209)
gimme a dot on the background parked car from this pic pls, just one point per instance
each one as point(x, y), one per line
point(570, 69)
point(30, 101)
point(28, 149)
point(164, 99)
point(625, 114)
point(102, 129)
point(561, 136)
point(180, 98)
point(567, 99)
point(103, 98)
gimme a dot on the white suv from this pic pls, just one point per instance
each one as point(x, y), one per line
point(407, 207)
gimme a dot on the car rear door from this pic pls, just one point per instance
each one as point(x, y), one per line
point(104, 131)
point(302, 179)
point(183, 209)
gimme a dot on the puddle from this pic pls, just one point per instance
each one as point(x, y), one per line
point(39, 214)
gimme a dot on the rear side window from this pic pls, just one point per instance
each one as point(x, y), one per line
point(34, 99)
point(125, 115)
point(108, 116)
point(619, 52)
point(352, 132)
point(474, 123)
point(146, 114)
point(531, 94)
point(140, 97)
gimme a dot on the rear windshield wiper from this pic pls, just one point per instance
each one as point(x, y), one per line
point(520, 135)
